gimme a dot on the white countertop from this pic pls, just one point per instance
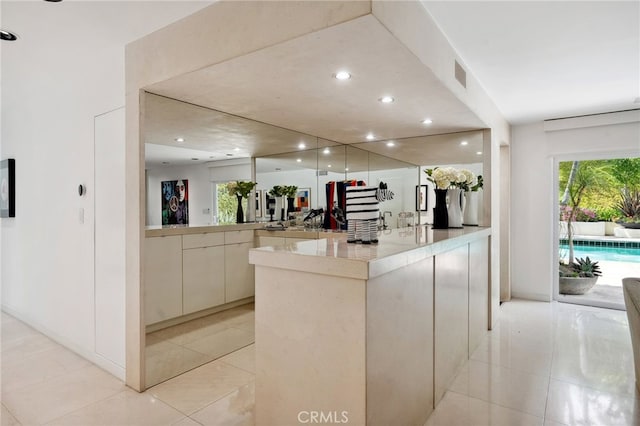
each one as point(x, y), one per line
point(396, 248)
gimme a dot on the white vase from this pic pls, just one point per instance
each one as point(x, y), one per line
point(471, 208)
point(455, 207)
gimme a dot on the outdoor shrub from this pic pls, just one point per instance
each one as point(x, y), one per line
point(629, 204)
point(607, 214)
point(581, 215)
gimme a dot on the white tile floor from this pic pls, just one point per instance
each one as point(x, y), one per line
point(545, 364)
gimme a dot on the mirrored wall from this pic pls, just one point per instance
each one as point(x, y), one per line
point(206, 147)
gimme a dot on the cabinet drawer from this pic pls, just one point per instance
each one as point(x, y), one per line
point(234, 237)
point(202, 240)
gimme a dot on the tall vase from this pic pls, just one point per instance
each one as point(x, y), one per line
point(455, 207)
point(290, 206)
point(239, 212)
point(282, 209)
point(440, 214)
point(471, 208)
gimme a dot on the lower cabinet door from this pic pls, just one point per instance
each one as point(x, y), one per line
point(202, 278)
point(162, 278)
point(239, 282)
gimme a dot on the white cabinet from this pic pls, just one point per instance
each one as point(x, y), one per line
point(239, 274)
point(203, 278)
point(451, 316)
point(478, 292)
point(162, 278)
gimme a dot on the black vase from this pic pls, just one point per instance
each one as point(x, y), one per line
point(239, 212)
point(440, 213)
point(290, 206)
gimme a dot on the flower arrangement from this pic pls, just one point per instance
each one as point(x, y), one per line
point(241, 188)
point(450, 177)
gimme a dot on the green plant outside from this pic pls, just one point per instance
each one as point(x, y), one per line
point(604, 198)
point(227, 204)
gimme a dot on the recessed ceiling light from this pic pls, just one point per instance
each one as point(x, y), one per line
point(342, 75)
point(301, 145)
point(7, 36)
point(386, 99)
point(326, 151)
point(179, 140)
point(299, 160)
point(370, 137)
point(329, 165)
point(427, 121)
point(391, 143)
point(464, 143)
point(479, 153)
point(346, 169)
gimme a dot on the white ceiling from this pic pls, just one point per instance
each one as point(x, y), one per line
point(548, 59)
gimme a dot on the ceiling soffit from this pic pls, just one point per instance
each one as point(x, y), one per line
point(290, 85)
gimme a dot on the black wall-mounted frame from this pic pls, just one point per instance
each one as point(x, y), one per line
point(421, 197)
point(8, 188)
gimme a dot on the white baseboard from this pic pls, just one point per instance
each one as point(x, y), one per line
point(540, 297)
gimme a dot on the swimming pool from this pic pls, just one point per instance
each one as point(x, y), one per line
point(613, 254)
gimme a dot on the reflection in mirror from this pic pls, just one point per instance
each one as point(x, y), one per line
point(210, 138)
point(459, 150)
point(186, 325)
point(331, 164)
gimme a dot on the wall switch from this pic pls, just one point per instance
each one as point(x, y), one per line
point(81, 215)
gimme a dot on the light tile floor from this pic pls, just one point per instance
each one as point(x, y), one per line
point(183, 347)
point(544, 364)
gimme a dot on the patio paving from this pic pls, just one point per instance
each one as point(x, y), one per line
point(608, 290)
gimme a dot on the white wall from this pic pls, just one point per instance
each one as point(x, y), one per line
point(533, 151)
point(200, 192)
point(64, 71)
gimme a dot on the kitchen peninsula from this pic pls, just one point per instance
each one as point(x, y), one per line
point(367, 334)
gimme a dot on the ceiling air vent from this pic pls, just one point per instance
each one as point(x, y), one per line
point(461, 75)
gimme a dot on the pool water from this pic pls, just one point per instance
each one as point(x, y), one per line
point(613, 254)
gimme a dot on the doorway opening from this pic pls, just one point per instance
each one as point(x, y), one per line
point(598, 231)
